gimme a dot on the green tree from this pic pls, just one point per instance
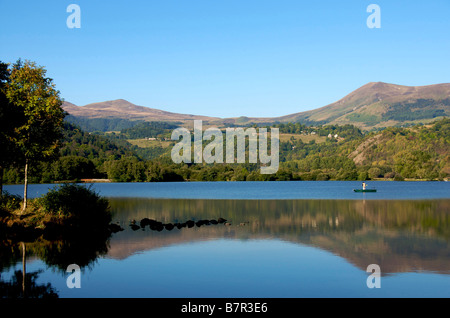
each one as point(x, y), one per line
point(4, 132)
point(34, 95)
point(10, 118)
point(374, 172)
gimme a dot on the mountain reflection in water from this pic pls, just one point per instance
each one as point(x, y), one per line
point(400, 236)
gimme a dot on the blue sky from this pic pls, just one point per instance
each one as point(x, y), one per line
point(228, 58)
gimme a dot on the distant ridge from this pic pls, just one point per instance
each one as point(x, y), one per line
point(374, 105)
point(123, 109)
point(379, 104)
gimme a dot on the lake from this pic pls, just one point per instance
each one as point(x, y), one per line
point(261, 190)
point(291, 239)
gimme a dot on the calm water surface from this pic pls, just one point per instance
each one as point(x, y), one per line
point(262, 190)
point(284, 239)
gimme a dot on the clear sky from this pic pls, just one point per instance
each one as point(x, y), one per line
point(228, 58)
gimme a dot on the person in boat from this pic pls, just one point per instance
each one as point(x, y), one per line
point(364, 185)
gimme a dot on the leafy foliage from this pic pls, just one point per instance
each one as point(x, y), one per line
point(78, 202)
point(10, 118)
point(35, 96)
point(77, 142)
point(10, 202)
point(148, 129)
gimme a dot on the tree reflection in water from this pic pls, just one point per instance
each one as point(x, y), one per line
point(21, 286)
point(80, 247)
point(400, 235)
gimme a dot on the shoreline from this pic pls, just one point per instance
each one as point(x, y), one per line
point(17, 227)
point(195, 181)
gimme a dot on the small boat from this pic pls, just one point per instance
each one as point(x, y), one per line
point(365, 190)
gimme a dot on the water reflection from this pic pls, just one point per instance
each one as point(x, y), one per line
point(83, 248)
point(400, 236)
point(21, 286)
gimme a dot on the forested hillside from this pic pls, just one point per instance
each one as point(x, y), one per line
point(329, 152)
point(101, 124)
point(420, 152)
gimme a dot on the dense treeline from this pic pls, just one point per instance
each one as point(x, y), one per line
point(82, 155)
point(102, 124)
point(91, 146)
point(420, 152)
point(148, 129)
point(125, 128)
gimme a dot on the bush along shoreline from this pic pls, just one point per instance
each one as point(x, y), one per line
point(67, 210)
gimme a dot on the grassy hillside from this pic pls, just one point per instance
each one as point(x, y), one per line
point(376, 105)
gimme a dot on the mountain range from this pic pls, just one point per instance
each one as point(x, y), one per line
point(374, 105)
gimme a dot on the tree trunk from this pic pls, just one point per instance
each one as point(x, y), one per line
point(24, 269)
point(25, 188)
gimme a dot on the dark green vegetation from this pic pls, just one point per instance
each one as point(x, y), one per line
point(306, 153)
point(415, 110)
point(32, 116)
point(76, 204)
point(148, 129)
point(101, 124)
point(63, 211)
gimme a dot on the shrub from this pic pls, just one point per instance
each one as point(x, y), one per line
point(322, 177)
point(374, 172)
point(389, 175)
point(10, 202)
point(76, 202)
point(363, 176)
